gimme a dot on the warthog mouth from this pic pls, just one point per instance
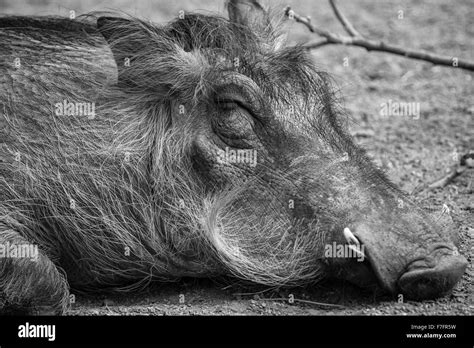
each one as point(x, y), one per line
point(358, 271)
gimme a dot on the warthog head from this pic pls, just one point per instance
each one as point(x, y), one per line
point(218, 151)
point(253, 168)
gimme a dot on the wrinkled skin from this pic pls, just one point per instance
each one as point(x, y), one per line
point(185, 211)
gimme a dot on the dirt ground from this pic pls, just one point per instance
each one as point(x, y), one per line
point(412, 150)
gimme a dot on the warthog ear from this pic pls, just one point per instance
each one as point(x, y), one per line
point(126, 39)
point(115, 28)
point(249, 13)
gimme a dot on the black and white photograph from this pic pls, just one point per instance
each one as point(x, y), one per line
point(210, 171)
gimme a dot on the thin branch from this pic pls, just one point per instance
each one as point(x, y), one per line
point(440, 182)
point(467, 161)
point(344, 21)
point(317, 44)
point(370, 45)
point(304, 301)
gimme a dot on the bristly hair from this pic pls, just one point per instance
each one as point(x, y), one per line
point(184, 60)
point(151, 205)
point(181, 61)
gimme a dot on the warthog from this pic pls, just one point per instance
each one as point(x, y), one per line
point(148, 188)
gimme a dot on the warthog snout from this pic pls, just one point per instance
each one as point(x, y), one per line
point(432, 276)
point(418, 267)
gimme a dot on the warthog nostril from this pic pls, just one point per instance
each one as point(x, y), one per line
point(426, 283)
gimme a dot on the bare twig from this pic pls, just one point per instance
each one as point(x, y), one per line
point(465, 163)
point(303, 301)
point(443, 181)
point(318, 43)
point(440, 182)
point(252, 293)
point(356, 39)
point(344, 21)
point(286, 299)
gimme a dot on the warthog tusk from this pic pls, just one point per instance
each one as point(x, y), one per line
point(354, 243)
point(351, 239)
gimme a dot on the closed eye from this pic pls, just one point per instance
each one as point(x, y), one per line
point(227, 104)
